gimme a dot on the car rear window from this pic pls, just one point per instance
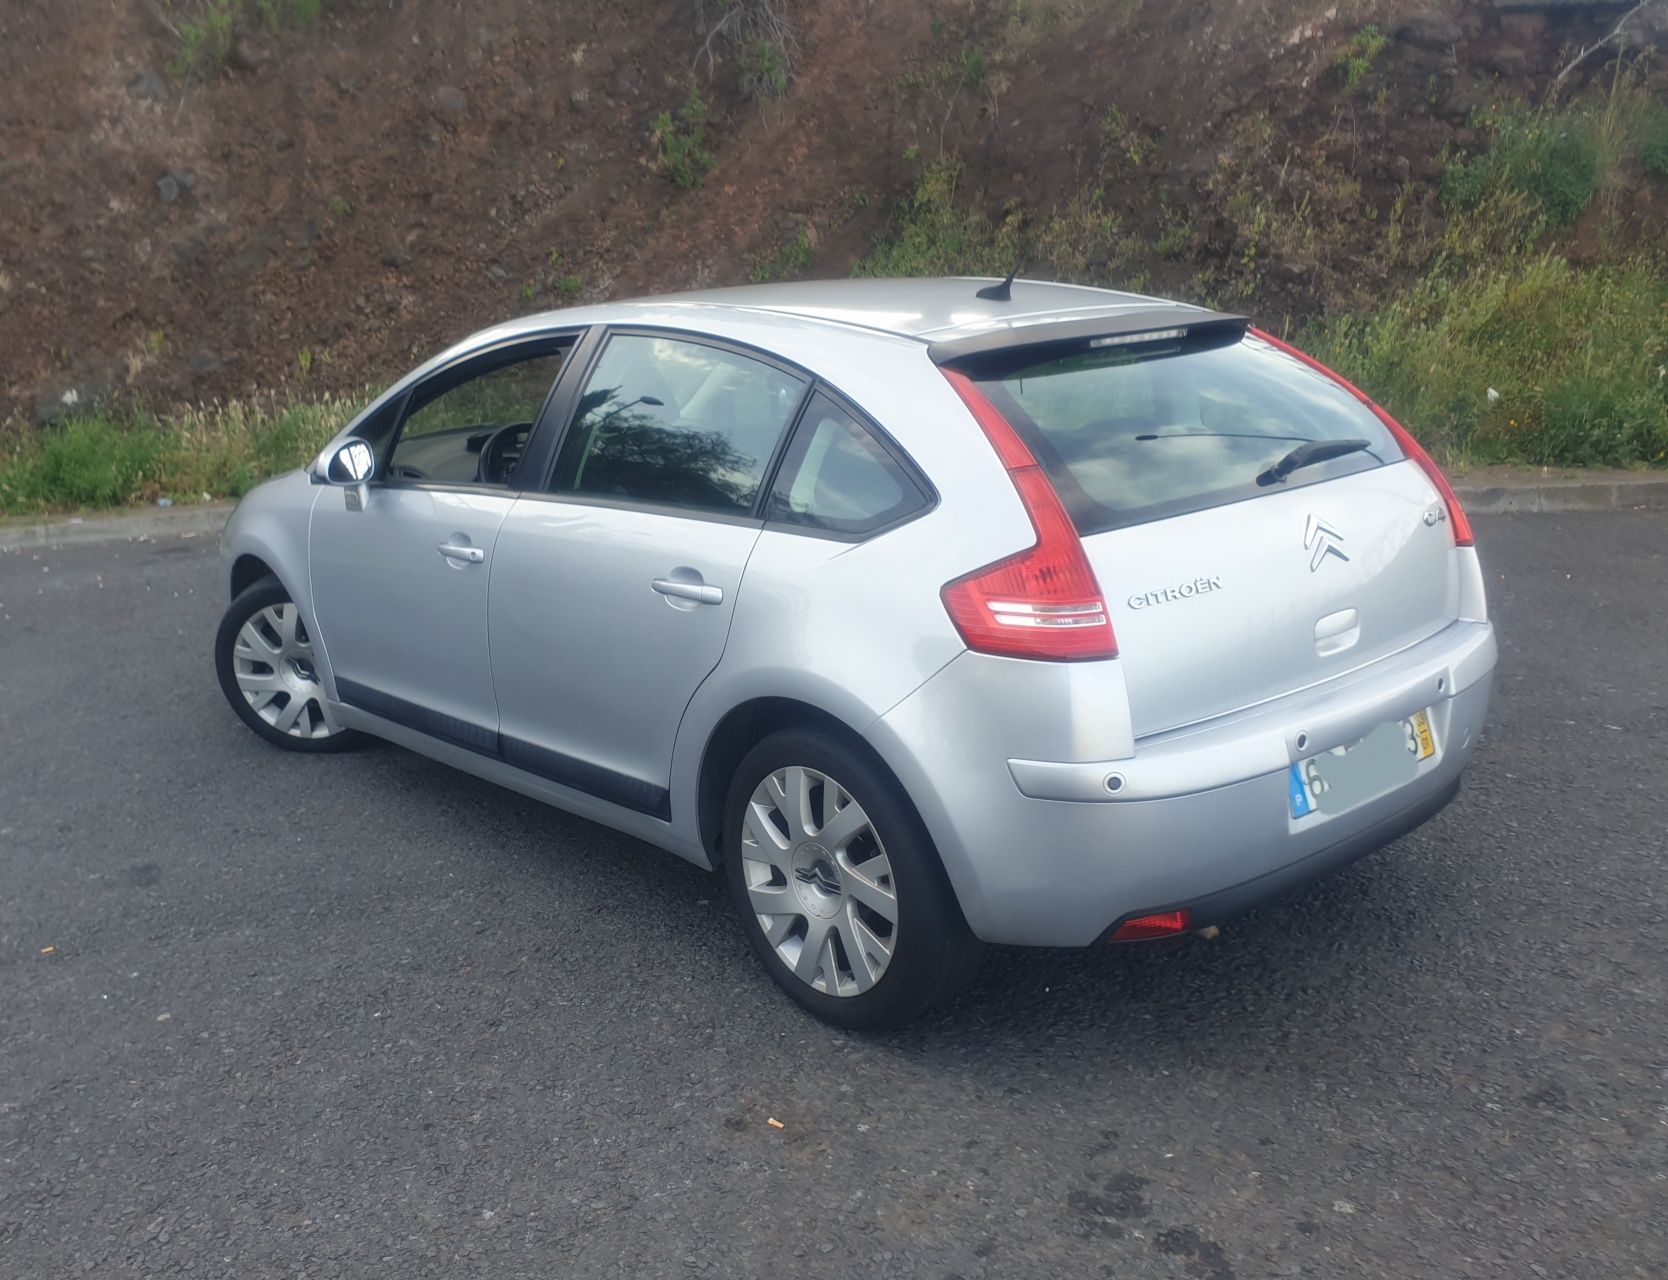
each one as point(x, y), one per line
point(1138, 432)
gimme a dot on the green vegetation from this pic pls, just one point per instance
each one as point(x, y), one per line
point(207, 29)
point(1578, 357)
point(1359, 55)
point(682, 141)
point(1653, 140)
point(1576, 354)
point(786, 263)
point(938, 233)
point(764, 69)
point(113, 457)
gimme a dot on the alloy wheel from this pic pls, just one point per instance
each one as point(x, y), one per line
point(272, 661)
point(819, 881)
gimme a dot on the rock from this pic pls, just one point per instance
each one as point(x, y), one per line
point(65, 400)
point(498, 273)
point(1461, 105)
point(281, 141)
point(1507, 63)
point(625, 84)
point(577, 99)
point(253, 256)
point(396, 256)
point(204, 363)
point(449, 101)
point(1428, 30)
point(351, 84)
point(1400, 169)
point(148, 85)
point(168, 188)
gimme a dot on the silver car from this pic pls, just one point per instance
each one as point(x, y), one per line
point(932, 613)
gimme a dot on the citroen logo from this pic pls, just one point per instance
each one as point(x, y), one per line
point(1323, 540)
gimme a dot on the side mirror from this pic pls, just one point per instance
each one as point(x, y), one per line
point(350, 463)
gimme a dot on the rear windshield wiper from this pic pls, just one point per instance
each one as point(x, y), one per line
point(1307, 454)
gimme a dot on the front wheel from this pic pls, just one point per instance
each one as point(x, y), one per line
point(838, 885)
point(263, 656)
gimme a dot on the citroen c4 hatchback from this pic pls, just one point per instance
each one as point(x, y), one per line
point(930, 613)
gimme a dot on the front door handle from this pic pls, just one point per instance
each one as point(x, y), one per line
point(699, 592)
point(453, 551)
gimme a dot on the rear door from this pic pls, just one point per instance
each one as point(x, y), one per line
point(613, 589)
point(1229, 582)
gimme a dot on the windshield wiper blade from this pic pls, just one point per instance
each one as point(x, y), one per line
point(1307, 454)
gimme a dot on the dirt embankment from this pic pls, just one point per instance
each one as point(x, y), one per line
point(347, 196)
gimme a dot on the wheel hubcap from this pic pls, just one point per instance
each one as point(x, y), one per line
point(273, 663)
point(819, 881)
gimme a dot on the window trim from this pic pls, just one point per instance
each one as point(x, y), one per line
point(550, 341)
point(605, 333)
point(883, 438)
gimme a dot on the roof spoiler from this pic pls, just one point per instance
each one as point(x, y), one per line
point(1094, 331)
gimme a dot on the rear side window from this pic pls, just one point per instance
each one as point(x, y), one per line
point(1131, 434)
point(838, 477)
point(674, 423)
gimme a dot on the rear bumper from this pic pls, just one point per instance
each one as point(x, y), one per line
point(1043, 853)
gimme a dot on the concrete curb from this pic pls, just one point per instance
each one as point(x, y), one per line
point(152, 525)
point(1623, 494)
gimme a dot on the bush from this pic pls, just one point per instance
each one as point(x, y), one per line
point(1579, 358)
point(113, 457)
point(1550, 157)
point(1653, 142)
point(682, 141)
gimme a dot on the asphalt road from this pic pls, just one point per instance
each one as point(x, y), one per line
point(362, 1015)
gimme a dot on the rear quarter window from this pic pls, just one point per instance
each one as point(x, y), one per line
point(1131, 434)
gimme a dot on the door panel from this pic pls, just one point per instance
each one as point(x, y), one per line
point(603, 622)
point(404, 625)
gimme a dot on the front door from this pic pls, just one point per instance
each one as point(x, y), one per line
point(400, 585)
point(612, 590)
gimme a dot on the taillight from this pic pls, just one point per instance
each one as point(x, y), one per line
point(1411, 447)
point(1044, 602)
point(1163, 924)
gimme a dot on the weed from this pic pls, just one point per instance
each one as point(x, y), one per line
point(786, 262)
point(207, 29)
point(304, 363)
point(1653, 141)
point(1579, 358)
point(764, 69)
point(339, 206)
point(568, 286)
point(529, 291)
point(682, 141)
point(1549, 156)
point(1359, 55)
point(115, 456)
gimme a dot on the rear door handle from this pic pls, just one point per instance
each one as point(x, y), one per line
point(699, 592)
point(470, 555)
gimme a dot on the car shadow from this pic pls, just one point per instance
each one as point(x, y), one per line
point(1293, 975)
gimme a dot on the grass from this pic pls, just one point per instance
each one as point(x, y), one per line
point(937, 231)
point(1578, 357)
point(1359, 55)
point(681, 141)
point(208, 29)
point(117, 457)
point(787, 262)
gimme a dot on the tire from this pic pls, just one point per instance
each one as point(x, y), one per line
point(837, 875)
point(262, 656)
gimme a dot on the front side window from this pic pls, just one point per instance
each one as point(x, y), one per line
point(839, 478)
point(674, 423)
point(471, 426)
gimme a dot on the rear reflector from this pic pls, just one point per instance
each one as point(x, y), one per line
point(1411, 447)
point(1045, 602)
point(1161, 925)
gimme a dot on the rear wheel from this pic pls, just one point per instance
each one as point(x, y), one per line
point(838, 886)
point(263, 656)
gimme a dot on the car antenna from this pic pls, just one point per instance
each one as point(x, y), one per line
point(1003, 292)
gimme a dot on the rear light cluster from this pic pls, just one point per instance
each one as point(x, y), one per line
point(1409, 446)
point(1044, 602)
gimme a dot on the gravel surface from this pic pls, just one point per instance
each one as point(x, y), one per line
point(270, 1015)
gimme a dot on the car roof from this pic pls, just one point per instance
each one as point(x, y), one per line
point(929, 310)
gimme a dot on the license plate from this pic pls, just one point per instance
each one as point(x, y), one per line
point(1342, 778)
